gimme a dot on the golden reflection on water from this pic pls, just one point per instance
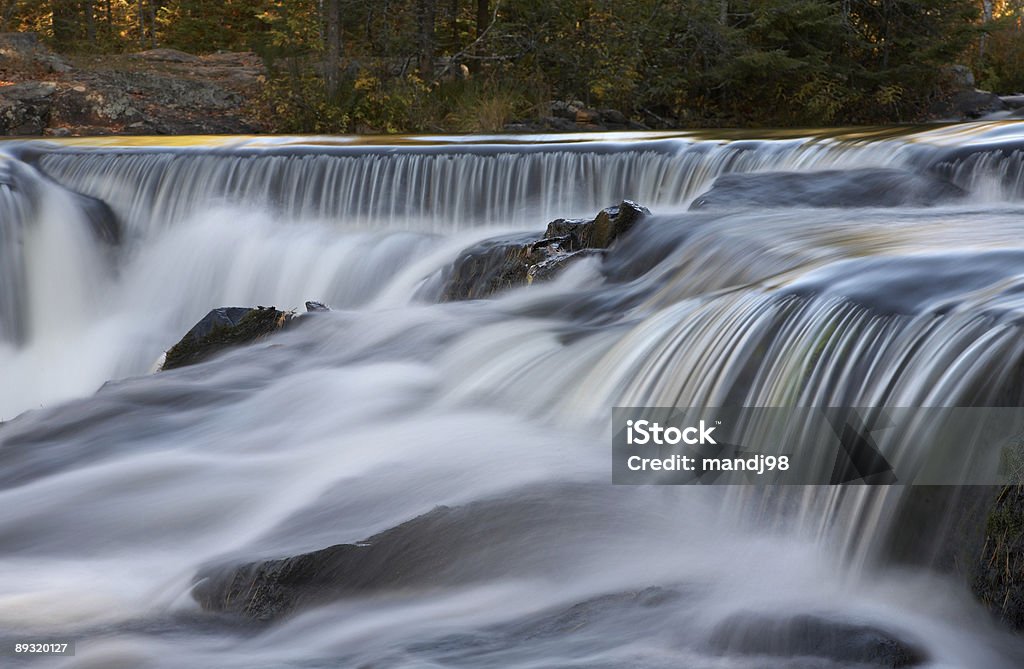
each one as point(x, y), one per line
point(941, 134)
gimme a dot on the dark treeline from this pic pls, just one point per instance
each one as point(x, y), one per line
point(391, 65)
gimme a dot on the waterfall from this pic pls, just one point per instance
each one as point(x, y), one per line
point(446, 188)
point(468, 442)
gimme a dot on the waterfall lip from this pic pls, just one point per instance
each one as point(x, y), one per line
point(32, 154)
point(911, 284)
point(948, 134)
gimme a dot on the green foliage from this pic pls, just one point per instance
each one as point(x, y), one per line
point(1002, 65)
point(712, 62)
point(208, 25)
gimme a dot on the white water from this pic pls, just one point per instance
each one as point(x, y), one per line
point(390, 406)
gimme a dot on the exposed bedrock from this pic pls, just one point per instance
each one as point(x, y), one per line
point(828, 188)
point(498, 264)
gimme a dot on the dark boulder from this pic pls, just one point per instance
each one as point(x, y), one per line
point(828, 188)
point(813, 636)
point(222, 329)
point(613, 116)
point(498, 264)
point(968, 104)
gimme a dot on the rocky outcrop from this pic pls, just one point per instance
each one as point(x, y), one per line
point(229, 327)
point(828, 188)
point(814, 636)
point(25, 108)
point(26, 54)
point(222, 329)
point(499, 264)
point(160, 92)
point(969, 104)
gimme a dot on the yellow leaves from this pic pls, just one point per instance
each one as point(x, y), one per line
point(823, 98)
point(366, 81)
point(889, 95)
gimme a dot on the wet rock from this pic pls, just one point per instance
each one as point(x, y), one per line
point(998, 579)
point(813, 636)
point(313, 307)
point(1015, 102)
point(445, 546)
point(224, 328)
point(550, 267)
point(498, 264)
point(828, 188)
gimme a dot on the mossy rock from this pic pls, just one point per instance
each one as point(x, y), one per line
point(224, 328)
point(998, 580)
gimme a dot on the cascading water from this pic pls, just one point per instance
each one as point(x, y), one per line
point(124, 494)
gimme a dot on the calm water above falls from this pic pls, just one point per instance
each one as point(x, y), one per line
point(118, 486)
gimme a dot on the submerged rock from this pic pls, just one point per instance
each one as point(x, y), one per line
point(813, 636)
point(498, 264)
point(269, 589)
point(224, 328)
point(447, 546)
point(828, 188)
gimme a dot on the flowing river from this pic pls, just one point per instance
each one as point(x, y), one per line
point(464, 446)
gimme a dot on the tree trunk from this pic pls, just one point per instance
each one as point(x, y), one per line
point(9, 9)
point(333, 46)
point(986, 18)
point(483, 16)
point(142, 23)
point(154, 8)
point(90, 21)
point(453, 11)
point(64, 21)
point(723, 11)
point(426, 11)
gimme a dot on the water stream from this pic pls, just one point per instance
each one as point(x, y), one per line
point(119, 485)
